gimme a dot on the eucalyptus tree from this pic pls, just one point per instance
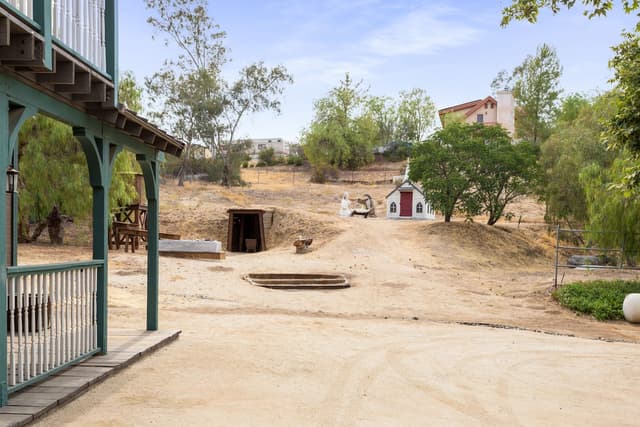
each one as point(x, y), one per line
point(198, 102)
point(343, 132)
point(536, 89)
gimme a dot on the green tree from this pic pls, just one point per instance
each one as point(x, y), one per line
point(623, 130)
point(573, 145)
point(474, 169)
point(122, 190)
point(129, 93)
point(196, 100)
point(383, 111)
point(343, 132)
point(54, 179)
point(446, 165)
point(506, 171)
point(612, 208)
point(536, 89)
point(416, 115)
point(528, 10)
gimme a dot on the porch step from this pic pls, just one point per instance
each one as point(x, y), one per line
point(126, 347)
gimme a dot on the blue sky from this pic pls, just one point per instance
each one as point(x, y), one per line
point(451, 49)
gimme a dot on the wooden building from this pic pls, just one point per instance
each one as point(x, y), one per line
point(61, 59)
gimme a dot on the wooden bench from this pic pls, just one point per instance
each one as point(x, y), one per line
point(364, 213)
point(130, 236)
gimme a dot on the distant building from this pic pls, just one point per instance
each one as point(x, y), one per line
point(200, 152)
point(488, 111)
point(280, 146)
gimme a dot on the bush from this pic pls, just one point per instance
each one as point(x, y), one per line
point(245, 165)
point(261, 164)
point(601, 299)
point(294, 160)
point(267, 156)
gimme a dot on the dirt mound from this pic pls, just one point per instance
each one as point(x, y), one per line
point(286, 226)
point(289, 224)
point(488, 245)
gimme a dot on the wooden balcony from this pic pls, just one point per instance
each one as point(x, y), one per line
point(67, 49)
point(78, 25)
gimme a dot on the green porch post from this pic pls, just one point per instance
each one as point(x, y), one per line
point(100, 155)
point(111, 43)
point(42, 15)
point(151, 184)
point(5, 136)
point(17, 117)
point(11, 118)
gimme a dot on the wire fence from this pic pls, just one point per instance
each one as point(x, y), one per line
point(595, 250)
point(294, 175)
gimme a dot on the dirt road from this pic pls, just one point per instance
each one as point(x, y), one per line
point(394, 349)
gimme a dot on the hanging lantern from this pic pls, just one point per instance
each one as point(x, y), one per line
point(12, 180)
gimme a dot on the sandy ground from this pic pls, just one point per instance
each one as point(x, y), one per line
point(445, 324)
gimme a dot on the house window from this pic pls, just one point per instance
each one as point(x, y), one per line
point(393, 207)
point(419, 207)
point(491, 105)
point(479, 118)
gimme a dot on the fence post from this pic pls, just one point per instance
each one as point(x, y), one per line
point(622, 250)
point(555, 279)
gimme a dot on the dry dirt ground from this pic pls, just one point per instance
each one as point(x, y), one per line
point(445, 324)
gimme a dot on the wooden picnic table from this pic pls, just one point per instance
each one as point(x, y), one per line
point(129, 227)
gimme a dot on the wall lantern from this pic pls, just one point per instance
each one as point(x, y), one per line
point(12, 180)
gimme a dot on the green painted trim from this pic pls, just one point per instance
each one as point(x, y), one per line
point(53, 371)
point(42, 15)
point(94, 158)
point(5, 132)
point(21, 270)
point(111, 43)
point(14, 212)
point(151, 183)
point(16, 120)
point(24, 94)
point(14, 126)
point(21, 15)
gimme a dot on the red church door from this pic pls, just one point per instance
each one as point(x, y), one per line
point(406, 203)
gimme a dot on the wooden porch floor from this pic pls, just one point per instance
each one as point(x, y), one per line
point(125, 347)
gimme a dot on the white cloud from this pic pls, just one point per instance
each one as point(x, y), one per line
point(421, 32)
point(329, 71)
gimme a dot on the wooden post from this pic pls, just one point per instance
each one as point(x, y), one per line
point(111, 44)
point(42, 15)
point(5, 135)
point(100, 156)
point(149, 168)
point(11, 119)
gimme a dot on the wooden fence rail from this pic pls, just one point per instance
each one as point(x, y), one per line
point(51, 319)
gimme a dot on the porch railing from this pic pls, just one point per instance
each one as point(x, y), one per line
point(51, 319)
point(77, 24)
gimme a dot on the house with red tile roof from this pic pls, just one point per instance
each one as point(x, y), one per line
point(488, 111)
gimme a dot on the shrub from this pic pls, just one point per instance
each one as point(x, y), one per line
point(261, 164)
point(267, 156)
point(294, 160)
point(245, 164)
point(601, 299)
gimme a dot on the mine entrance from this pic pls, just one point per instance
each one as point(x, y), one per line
point(246, 231)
